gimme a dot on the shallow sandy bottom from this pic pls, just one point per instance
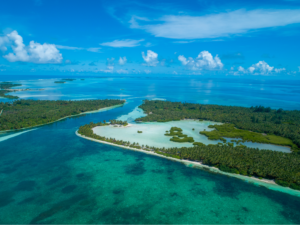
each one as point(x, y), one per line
point(153, 133)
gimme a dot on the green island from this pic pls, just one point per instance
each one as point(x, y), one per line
point(29, 113)
point(59, 82)
point(275, 126)
point(139, 131)
point(4, 89)
point(178, 136)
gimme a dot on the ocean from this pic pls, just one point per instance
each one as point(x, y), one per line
point(48, 175)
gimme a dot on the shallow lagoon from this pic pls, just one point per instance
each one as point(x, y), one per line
point(153, 133)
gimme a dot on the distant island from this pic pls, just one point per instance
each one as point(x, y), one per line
point(62, 81)
point(29, 113)
point(5, 87)
point(260, 124)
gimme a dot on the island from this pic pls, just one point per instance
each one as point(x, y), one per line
point(257, 124)
point(22, 114)
point(5, 87)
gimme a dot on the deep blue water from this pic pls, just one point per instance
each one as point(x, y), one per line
point(49, 175)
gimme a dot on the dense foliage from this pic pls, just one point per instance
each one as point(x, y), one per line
point(28, 113)
point(257, 119)
point(228, 130)
point(178, 136)
point(5, 86)
point(283, 167)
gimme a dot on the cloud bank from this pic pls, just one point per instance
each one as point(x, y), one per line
point(204, 61)
point(260, 68)
point(34, 52)
point(216, 25)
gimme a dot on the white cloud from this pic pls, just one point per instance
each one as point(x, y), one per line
point(93, 49)
point(109, 69)
point(216, 25)
point(279, 70)
point(122, 61)
point(68, 47)
point(110, 62)
point(261, 68)
point(34, 52)
point(77, 48)
point(147, 71)
point(204, 61)
point(3, 42)
point(150, 58)
point(241, 69)
point(123, 43)
point(121, 71)
point(68, 61)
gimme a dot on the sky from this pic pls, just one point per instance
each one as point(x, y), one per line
point(194, 37)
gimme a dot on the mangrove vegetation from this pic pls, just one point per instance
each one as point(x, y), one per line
point(178, 136)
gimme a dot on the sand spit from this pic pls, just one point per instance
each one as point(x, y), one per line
point(270, 184)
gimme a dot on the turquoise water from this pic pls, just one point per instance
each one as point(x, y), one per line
point(49, 175)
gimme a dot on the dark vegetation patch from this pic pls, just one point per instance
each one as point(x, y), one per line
point(158, 171)
point(9, 169)
point(127, 215)
point(174, 194)
point(245, 209)
point(6, 197)
point(54, 180)
point(58, 208)
point(197, 191)
point(27, 185)
point(135, 169)
point(118, 191)
point(226, 189)
point(27, 200)
point(80, 175)
point(68, 189)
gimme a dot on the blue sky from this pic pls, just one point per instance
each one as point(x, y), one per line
point(230, 38)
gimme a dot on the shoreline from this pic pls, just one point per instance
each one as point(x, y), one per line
point(93, 111)
point(270, 184)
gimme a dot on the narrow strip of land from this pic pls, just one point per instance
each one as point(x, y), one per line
point(24, 114)
point(198, 165)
